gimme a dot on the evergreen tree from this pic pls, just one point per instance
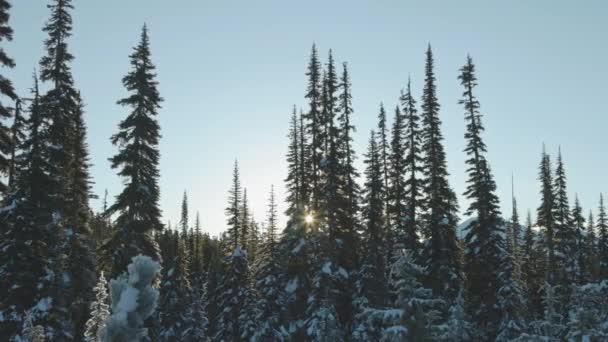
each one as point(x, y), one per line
point(133, 301)
point(294, 180)
point(137, 159)
point(304, 166)
point(484, 243)
point(413, 161)
point(184, 218)
point(26, 232)
point(602, 240)
point(176, 299)
point(315, 127)
point(396, 191)
point(60, 106)
point(18, 137)
point(384, 148)
point(565, 243)
point(6, 89)
point(416, 312)
point(591, 251)
point(551, 327)
point(233, 211)
point(580, 257)
point(267, 280)
point(100, 310)
point(371, 286)
point(545, 214)
point(589, 313)
point(235, 321)
point(245, 229)
point(32, 333)
point(457, 327)
point(440, 254)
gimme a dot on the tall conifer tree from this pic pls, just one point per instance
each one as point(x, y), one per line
point(602, 240)
point(7, 91)
point(138, 138)
point(484, 243)
point(545, 214)
point(440, 253)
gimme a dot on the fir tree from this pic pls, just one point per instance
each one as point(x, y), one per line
point(602, 240)
point(32, 333)
point(245, 226)
point(371, 288)
point(413, 161)
point(589, 313)
point(545, 214)
point(315, 127)
point(440, 253)
point(233, 211)
point(384, 148)
point(565, 243)
point(26, 232)
point(484, 243)
point(591, 251)
point(99, 311)
point(137, 139)
point(294, 180)
point(267, 280)
point(7, 141)
point(176, 299)
point(396, 191)
point(18, 137)
point(578, 225)
point(458, 327)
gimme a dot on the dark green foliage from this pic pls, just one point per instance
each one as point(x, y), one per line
point(602, 240)
point(233, 211)
point(484, 242)
point(7, 139)
point(545, 214)
point(440, 254)
point(138, 156)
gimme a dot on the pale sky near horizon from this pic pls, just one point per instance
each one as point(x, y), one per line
point(230, 72)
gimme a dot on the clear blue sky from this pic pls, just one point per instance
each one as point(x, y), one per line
point(230, 72)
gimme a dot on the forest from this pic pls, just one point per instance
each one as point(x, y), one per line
point(377, 254)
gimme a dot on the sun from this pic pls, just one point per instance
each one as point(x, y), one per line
point(309, 218)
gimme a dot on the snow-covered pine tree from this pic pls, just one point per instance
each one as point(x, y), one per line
point(245, 223)
point(396, 185)
point(100, 310)
point(176, 321)
point(484, 240)
point(32, 333)
point(578, 224)
point(236, 319)
point(440, 254)
point(589, 313)
point(26, 232)
point(565, 243)
point(602, 240)
point(413, 162)
point(18, 136)
point(551, 327)
point(457, 327)
point(371, 290)
point(416, 312)
point(591, 250)
point(133, 299)
point(545, 218)
point(138, 137)
point(6, 90)
point(267, 280)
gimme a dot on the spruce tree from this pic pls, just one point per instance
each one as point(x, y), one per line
point(371, 287)
point(602, 240)
point(396, 191)
point(413, 162)
point(293, 181)
point(100, 310)
point(267, 280)
point(315, 127)
point(384, 147)
point(565, 239)
point(176, 295)
point(138, 138)
point(545, 214)
point(6, 90)
point(233, 211)
point(592, 260)
point(245, 226)
point(18, 137)
point(26, 232)
point(440, 254)
point(484, 243)
point(578, 225)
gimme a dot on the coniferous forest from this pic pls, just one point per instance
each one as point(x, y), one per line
point(376, 254)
